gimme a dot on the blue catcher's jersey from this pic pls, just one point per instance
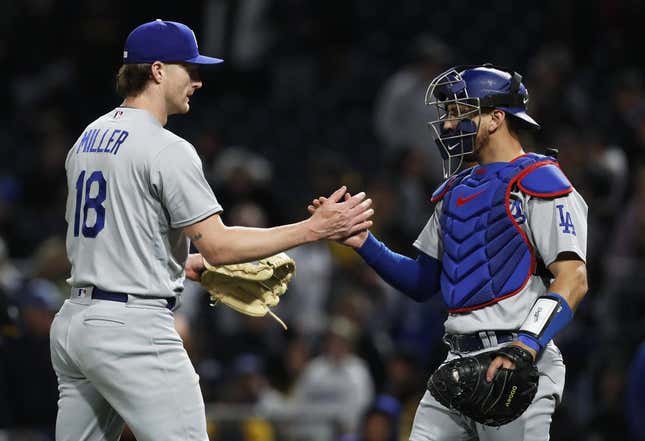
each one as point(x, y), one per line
point(486, 254)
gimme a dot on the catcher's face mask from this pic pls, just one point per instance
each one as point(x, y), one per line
point(459, 95)
point(454, 130)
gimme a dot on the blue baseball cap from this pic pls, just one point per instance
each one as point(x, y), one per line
point(166, 41)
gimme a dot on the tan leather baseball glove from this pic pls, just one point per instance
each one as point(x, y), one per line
point(251, 288)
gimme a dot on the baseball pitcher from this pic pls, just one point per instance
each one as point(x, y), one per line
point(137, 197)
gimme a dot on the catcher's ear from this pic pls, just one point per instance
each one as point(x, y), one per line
point(497, 117)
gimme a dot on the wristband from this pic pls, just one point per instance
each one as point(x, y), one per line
point(548, 316)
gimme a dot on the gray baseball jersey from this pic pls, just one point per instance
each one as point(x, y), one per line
point(553, 226)
point(132, 186)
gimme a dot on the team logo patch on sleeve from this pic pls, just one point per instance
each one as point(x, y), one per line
point(515, 206)
point(565, 220)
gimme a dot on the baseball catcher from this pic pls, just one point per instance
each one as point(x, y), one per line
point(461, 385)
point(506, 249)
point(251, 288)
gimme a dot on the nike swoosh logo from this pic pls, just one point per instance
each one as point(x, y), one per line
point(463, 201)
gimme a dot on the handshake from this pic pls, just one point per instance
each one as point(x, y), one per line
point(342, 217)
point(254, 288)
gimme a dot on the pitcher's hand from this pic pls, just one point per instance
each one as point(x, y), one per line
point(355, 240)
point(336, 220)
point(194, 267)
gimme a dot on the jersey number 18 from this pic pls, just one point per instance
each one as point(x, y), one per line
point(91, 203)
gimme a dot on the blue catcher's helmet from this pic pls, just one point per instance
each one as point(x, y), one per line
point(471, 89)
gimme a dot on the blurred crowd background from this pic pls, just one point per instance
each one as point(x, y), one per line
point(314, 94)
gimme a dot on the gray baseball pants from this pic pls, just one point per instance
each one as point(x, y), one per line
point(123, 363)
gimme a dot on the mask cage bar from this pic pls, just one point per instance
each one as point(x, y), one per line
point(449, 142)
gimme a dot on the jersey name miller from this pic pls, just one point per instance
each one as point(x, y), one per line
point(101, 141)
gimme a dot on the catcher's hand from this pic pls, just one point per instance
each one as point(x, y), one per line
point(461, 385)
point(250, 288)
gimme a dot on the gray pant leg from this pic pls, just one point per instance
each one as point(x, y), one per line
point(83, 414)
point(434, 422)
point(136, 360)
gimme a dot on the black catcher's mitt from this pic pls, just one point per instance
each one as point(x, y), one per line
point(461, 385)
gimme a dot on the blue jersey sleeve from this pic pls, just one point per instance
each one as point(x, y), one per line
point(418, 279)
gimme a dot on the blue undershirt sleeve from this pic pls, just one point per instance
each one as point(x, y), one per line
point(418, 279)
